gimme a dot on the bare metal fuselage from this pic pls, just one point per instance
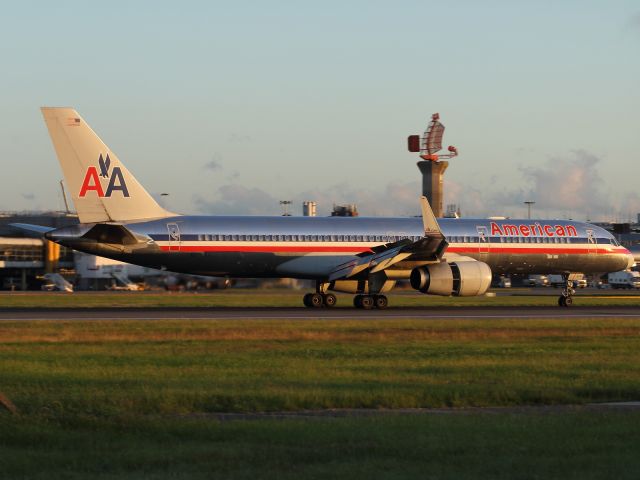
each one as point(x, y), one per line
point(311, 247)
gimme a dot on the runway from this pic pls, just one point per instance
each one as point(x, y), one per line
point(236, 313)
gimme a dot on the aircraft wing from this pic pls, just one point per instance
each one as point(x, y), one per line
point(429, 248)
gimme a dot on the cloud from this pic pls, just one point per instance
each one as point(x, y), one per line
point(239, 138)
point(568, 185)
point(395, 199)
point(634, 21)
point(214, 164)
point(238, 200)
point(233, 176)
point(564, 186)
point(470, 199)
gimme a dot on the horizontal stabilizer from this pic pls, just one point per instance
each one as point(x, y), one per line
point(27, 227)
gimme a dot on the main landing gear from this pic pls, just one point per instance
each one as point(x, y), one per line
point(566, 297)
point(323, 299)
point(370, 301)
point(317, 300)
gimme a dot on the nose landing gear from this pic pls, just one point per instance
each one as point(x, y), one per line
point(566, 297)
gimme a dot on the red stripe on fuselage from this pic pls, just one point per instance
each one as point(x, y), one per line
point(537, 250)
point(328, 248)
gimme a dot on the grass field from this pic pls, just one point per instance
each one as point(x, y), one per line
point(292, 298)
point(134, 399)
point(184, 366)
point(569, 446)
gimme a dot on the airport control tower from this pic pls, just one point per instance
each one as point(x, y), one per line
point(432, 165)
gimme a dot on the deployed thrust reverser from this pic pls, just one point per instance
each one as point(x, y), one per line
point(462, 279)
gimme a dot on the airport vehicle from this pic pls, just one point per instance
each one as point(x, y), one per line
point(359, 255)
point(538, 281)
point(624, 279)
point(578, 280)
point(501, 282)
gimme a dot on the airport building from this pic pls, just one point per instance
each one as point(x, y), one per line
point(24, 257)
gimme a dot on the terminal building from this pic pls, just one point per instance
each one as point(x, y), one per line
point(25, 258)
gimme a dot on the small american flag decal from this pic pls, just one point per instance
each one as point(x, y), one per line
point(73, 122)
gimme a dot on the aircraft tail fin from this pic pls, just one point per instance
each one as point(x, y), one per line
point(102, 189)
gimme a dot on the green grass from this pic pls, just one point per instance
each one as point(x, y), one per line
point(289, 298)
point(574, 445)
point(185, 366)
point(132, 399)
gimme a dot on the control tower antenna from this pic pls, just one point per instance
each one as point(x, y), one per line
point(432, 164)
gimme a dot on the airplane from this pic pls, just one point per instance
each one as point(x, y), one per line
point(364, 256)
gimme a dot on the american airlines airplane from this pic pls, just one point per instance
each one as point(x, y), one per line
point(359, 255)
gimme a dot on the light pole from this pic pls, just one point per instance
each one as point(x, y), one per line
point(285, 207)
point(528, 203)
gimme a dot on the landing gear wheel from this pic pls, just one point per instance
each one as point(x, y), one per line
point(367, 302)
point(316, 300)
point(357, 301)
point(380, 301)
point(307, 300)
point(566, 299)
point(330, 300)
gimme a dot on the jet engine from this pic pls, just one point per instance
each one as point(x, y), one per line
point(462, 279)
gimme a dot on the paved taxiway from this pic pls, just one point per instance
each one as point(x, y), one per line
point(231, 313)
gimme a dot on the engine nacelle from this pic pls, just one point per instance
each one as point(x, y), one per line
point(462, 279)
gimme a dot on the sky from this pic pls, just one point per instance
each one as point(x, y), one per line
point(230, 107)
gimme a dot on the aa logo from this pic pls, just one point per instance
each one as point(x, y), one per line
point(92, 182)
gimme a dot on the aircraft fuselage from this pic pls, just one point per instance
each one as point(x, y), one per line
point(309, 247)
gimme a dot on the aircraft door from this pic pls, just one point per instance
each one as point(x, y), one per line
point(592, 244)
point(174, 237)
point(483, 241)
